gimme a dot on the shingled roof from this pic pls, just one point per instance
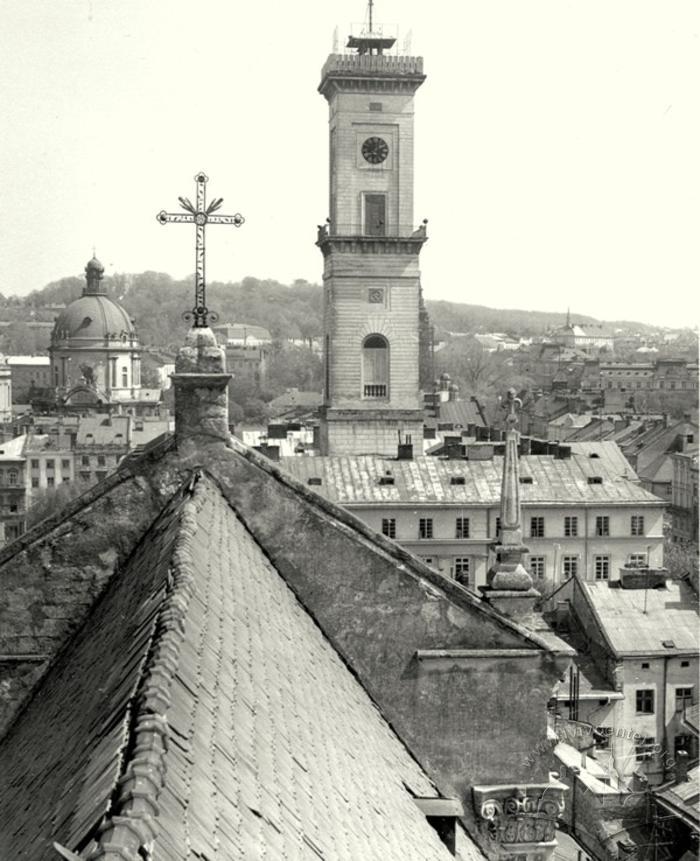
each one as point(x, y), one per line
point(201, 625)
point(200, 706)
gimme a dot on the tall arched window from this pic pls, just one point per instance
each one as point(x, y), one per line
point(375, 367)
point(125, 378)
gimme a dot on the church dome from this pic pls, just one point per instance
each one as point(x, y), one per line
point(93, 315)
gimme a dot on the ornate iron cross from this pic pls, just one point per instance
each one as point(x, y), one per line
point(200, 216)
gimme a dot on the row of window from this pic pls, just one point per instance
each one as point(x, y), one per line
point(570, 565)
point(537, 526)
point(50, 463)
point(645, 747)
point(602, 526)
point(645, 700)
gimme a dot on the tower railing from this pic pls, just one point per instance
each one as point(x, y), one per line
point(374, 64)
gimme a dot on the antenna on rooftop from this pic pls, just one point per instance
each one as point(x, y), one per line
point(370, 6)
point(407, 42)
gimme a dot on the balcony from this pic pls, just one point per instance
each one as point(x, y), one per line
point(375, 390)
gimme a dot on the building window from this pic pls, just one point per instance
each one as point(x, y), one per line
point(85, 476)
point(645, 702)
point(100, 460)
point(644, 748)
point(462, 527)
point(645, 665)
point(570, 527)
point(637, 560)
point(425, 527)
point(602, 526)
point(35, 464)
point(125, 378)
point(12, 476)
point(85, 460)
point(375, 367)
point(601, 567)
point(569, 566)
point(537, 567)
point(65, 464)
point(375, 214)
point(603, 743)
point(50, 481)
point(537, 527)
point(498, 527)
point(389, 527)
point(462, 570)
point(683, 742)
point(684, 697)
point(99, 475)
point(637, 524)
point(35, 482)
point(50, 463)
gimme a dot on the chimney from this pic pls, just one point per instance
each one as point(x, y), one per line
point(405, 451)
point(681, 767)
point(200, 383)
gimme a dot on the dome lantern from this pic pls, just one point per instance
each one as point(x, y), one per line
point(94, 272)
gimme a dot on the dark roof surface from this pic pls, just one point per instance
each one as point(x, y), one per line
point(199, 681)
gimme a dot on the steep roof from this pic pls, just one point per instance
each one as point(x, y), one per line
point(362, 479)
point(200, 666)
point(640, 621)
point(461, 413)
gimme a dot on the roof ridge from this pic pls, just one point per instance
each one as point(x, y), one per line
point(131, 824)
point(126, 470)
point(452, 591)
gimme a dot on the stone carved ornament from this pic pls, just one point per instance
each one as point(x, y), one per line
point(522, 818)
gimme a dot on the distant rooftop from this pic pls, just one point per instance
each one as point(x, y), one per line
point(671, 617)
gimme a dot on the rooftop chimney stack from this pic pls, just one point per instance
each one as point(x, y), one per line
point(200, 382)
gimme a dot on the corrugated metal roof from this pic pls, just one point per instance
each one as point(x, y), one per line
point(671, 616)
point(355, 479)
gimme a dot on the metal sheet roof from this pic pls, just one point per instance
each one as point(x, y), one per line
point(639, 621)
point(355, 479)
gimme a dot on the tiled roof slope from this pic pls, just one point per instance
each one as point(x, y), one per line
point(636, 623)
point(269, 745)
point(349, 479)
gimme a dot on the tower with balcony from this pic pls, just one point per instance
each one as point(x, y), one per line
point(371, 247)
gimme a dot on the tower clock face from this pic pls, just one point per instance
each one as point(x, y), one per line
point(375, 150)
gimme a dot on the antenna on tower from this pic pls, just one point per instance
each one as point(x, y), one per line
point(370, 5)
point(335, 41)
point(407, 42)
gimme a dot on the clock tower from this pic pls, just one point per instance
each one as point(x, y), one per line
point(370, 246)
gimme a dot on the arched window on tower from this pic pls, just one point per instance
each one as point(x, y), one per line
point(375, 367)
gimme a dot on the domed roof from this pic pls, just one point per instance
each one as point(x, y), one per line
point(93, 315)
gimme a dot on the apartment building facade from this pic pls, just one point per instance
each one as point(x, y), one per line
point(584, 513)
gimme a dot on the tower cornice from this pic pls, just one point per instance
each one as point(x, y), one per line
point(370, 73)
point(370, 244)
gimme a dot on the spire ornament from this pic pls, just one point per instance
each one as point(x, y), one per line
point(508, 582)
point(200, 215)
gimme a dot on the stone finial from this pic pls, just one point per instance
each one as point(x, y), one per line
point(508, 582)
point(200, 382)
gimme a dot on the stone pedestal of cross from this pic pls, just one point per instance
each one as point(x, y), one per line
point(200, 215)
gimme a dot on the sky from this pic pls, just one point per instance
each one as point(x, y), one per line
point(556, 157)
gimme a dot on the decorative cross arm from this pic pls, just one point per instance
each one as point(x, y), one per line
point(200, 215)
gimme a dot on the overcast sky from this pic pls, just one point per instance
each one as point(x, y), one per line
point(557, 143)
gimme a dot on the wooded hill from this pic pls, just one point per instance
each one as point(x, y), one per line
point(156, 302)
